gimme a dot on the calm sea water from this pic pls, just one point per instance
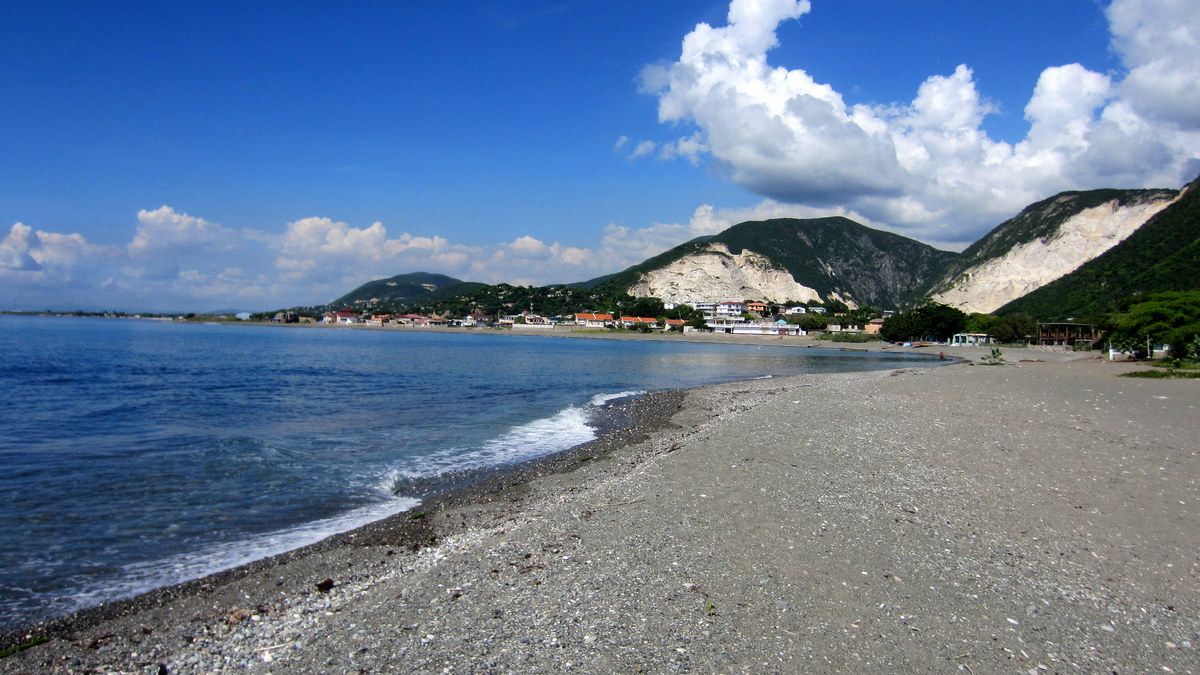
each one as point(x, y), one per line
point(135, 454)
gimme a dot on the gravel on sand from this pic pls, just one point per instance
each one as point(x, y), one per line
point(1039, 516)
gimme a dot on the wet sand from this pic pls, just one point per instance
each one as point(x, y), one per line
point(1041, 515)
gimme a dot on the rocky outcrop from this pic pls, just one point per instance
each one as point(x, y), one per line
point(714, 274)
point(1047, 241)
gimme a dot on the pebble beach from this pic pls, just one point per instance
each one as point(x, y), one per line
point(1039, 516)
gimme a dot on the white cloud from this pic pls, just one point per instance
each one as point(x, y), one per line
point(927, 166)
point(14, 250)
point(1159, 41)
point(324, 247)
point(44, 255)
point(643, 149)
point(165, 228)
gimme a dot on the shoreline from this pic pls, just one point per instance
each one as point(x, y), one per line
point(640, 509)
point(458, 487)
point(622, 422)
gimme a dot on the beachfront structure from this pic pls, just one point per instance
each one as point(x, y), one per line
point(839, 328)
point(1068, 334)
point(378, 319)
point(343, 317)
point(873, 327)
point(963, 339)
point(635, 321)
point(754, 328)
point(674, 324)
point(593, 320)
point(756, 306)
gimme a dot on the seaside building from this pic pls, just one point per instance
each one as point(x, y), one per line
point(873, 327)
point(635, 321)
point(757, 306)
point(963, 339)
point(755, 328)
point(344, 317)
point(592, 320)
point(1068, 334)
point(730, 309)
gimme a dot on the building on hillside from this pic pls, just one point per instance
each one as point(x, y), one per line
point(730, 310)
point(798, 309)
point(817, 310)
point(756, 306)
point(592, 320)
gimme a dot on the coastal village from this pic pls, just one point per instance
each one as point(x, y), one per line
point(735, 317)
point(729, 317)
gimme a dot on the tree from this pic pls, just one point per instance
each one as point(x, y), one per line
point(929, 321)
point(643, 307)
point(1172, 318)
point(836, 307)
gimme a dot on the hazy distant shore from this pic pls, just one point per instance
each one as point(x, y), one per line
point(990, 518)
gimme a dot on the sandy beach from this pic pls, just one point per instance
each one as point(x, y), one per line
point(1040, 516)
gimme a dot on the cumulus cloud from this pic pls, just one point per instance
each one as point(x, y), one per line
point(323, 247)
point(44, 254)
point(14, 250)
point(927, 166)
point(165, 228)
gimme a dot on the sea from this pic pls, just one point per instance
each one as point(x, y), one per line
point(138, 453)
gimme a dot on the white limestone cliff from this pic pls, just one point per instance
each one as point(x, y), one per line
point(715, 274)
point(993, 283)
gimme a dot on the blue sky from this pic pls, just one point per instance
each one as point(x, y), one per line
point(540, 142)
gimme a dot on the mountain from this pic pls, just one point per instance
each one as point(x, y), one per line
point(788, 259)
point(407, 288)
point(1045, 241)
point(1161, 255)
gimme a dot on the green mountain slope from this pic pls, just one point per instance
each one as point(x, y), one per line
point(407, 288)
point(830, 255)
point(1162, 255)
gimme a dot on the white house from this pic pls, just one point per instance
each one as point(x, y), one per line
point(960, 339)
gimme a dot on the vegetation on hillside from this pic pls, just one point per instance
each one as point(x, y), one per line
point(1171, 318)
